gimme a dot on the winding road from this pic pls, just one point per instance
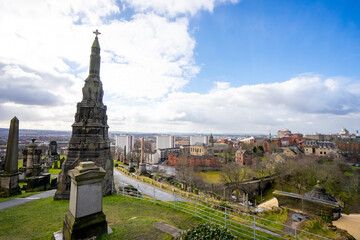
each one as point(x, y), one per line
point(143, 187)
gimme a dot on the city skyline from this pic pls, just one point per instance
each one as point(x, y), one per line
point(191, 66)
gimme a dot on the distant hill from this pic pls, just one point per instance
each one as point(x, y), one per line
point(31, 132)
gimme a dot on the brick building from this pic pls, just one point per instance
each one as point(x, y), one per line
point(243, 157)
point(204, 161)
point(320, 148)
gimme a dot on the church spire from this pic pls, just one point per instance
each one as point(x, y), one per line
point(95, 56)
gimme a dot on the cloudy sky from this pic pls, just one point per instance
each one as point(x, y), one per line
point(220, 66)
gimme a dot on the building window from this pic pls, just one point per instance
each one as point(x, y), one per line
point(320, 152)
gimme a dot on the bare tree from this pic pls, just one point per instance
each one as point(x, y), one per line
point(235, 174)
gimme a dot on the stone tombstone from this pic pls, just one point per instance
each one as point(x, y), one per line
point(131, 165)
point(24, 153)
point(33, 167)
point(38, 183)
point(53, 148)
point(22, 174)
point(53, 154)
point(85, 217)
point(46, 168)
point(89, 139)
point(10, 177)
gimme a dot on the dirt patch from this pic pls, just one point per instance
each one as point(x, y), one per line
point(269, 204)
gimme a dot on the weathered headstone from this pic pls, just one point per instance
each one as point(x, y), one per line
point(33, 167)
point(38, 183)
point(131, 165)
point(46, 168)
point(89, 138)
point(10, 176)
point(22, 175)
point(24, 153)
point(85, 217)
point(53, 154)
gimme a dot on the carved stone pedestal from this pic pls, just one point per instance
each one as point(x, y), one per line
point(9, 184)
point(142, 168)
point(85, 218)
point(131, 166)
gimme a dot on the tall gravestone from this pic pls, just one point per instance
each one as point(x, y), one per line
point(85, 218)
point(10, 177)
point(142, 166)
point(89, 140)
point(33, 159)
point(53, 154)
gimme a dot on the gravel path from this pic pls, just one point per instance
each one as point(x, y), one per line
point(350, 223)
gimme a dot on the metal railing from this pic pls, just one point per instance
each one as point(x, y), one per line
point(239, 223)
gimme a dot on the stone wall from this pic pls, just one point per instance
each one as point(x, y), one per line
point(308, 205)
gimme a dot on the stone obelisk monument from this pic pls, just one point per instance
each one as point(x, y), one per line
point(10, 177)
point(142, 167)
point(89, 140)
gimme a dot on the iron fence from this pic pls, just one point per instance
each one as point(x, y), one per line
point(242, 224)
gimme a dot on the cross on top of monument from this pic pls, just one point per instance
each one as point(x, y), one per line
point(96, 32)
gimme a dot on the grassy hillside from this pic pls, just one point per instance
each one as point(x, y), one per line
point(129, 218)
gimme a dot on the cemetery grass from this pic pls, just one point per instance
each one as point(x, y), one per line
point(211, 176)
point(129, 218)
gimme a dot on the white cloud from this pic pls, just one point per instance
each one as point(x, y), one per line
point(173, 8)
point(305, 103)
point(48, 47)
point(146, 61)
point(147, 57)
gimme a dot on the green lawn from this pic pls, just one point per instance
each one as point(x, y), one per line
point(211, 176)
point(315, 226)
point(129, 218)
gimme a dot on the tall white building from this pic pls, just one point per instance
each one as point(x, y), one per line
point(125, 140)
point(199, 139)
point(165, 141)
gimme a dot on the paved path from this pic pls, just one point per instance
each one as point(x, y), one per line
point(173, 231)
point(350, 223)
point(17, 201)
point(145, 189)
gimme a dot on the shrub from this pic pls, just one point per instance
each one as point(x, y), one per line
point(206, 231)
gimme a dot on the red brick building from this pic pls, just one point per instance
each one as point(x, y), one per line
point(349, 146)
point(243, 157)
point(222, 141)
point(195, 161)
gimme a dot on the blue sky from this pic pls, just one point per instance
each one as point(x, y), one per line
point(260, 41)
point(220, 66)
